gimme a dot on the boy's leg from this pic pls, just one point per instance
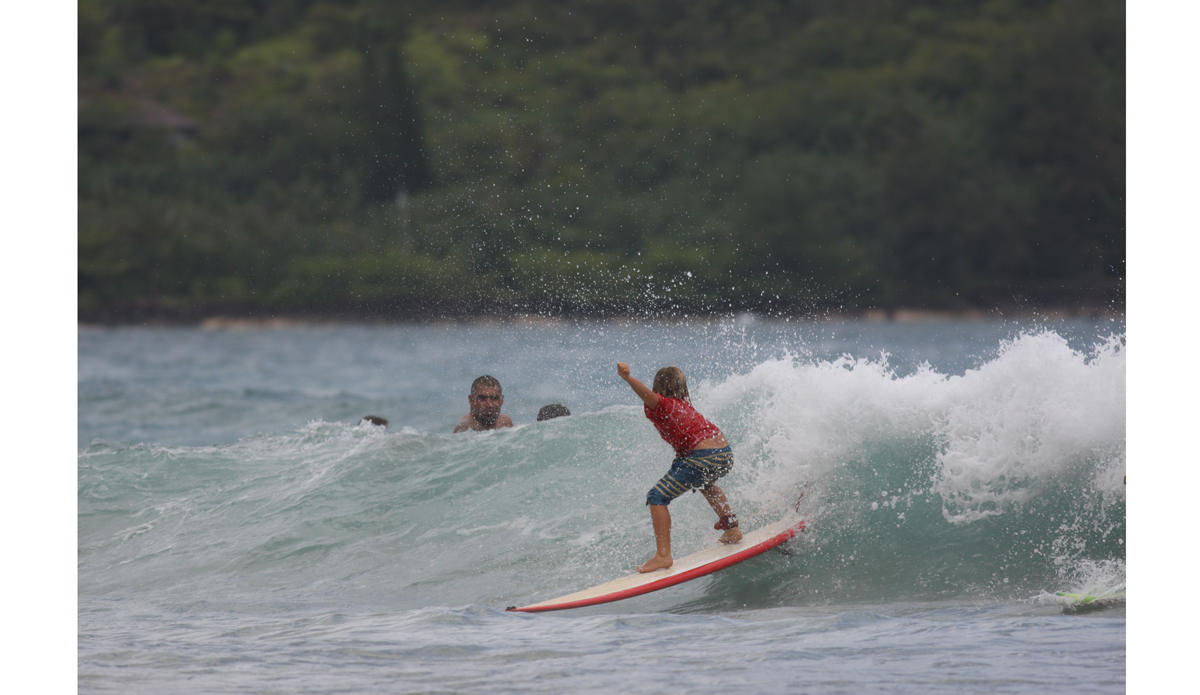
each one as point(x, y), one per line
point(661, 517)
point(717, 500)
point(720, 504)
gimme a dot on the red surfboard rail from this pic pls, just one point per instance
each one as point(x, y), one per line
point(673, 579)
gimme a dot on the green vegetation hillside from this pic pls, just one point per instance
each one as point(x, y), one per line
point(403, 159)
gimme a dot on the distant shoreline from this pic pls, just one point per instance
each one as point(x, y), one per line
point(277, 320)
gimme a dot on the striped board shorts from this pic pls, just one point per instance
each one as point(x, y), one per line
point(697, 470)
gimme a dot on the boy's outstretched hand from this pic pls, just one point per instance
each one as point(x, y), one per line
point(648, 397)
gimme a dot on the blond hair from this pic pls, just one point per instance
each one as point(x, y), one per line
point(670, 382)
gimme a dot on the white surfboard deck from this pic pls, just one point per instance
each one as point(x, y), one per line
point(696, 565)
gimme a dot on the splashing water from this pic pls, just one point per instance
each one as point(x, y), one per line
point(993, 474)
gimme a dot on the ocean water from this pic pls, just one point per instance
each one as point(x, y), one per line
point(239, 530)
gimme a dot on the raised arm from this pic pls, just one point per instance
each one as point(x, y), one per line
point(648, 397)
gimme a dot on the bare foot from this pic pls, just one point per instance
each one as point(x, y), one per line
point(732, 535)
point(656, 563)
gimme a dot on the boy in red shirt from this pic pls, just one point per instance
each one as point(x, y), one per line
point(703, 456)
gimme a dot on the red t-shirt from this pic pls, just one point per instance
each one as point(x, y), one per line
point(680, 425)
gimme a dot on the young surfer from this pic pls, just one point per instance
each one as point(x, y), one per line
point(702, 456)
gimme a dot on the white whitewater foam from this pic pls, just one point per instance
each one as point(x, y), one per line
point(1024, 418)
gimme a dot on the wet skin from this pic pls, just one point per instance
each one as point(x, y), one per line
point(485, 411)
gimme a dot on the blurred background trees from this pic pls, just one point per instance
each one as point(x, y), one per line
point(403, 159)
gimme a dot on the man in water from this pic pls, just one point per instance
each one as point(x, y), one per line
point(485, 399)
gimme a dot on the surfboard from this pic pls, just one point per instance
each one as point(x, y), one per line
point(1089, 601)
point(694, 566)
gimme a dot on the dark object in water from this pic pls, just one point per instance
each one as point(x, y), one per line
point(1079, 603)
point(549, 412)
point(374, 420)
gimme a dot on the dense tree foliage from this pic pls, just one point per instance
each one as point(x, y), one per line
point(403, 158)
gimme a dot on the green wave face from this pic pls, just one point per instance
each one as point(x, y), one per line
point(997, 483)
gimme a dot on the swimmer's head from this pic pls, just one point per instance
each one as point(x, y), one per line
point(549, 412)
point(486, 399)
point(485, 382)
